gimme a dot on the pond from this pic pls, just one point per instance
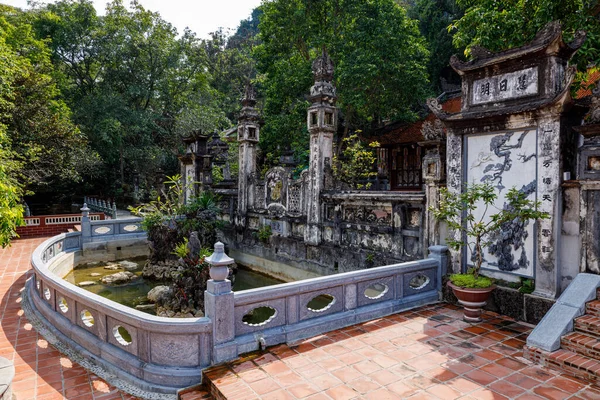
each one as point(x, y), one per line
point(133, 294)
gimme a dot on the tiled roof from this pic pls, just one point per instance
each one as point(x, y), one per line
point(593, 76)
point(411, 133)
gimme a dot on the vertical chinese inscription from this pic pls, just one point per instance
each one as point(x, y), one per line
point(547, 191)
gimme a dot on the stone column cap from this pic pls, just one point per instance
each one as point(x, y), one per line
point(218, 258)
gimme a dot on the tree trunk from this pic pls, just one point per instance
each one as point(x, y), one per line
point(479, 257)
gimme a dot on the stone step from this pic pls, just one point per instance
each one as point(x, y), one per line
point(593, 308)
point(566, 361)
point(197, 392)
point(588, 324)
point(196, 395)
point(582, 343)
point(218, 374)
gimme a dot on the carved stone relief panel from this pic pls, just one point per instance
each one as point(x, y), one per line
point(276, 186)
point(505, 160)
point(259, 196)
point(363, 214)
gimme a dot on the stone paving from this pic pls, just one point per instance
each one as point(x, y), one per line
point(426, 353)
point(40, 371)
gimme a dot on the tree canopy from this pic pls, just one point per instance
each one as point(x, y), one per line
point(500, 25)
point(94, 104)
point(380, 65)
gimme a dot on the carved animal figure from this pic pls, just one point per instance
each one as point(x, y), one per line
point(194, 246)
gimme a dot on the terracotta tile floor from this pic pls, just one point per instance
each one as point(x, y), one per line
point(426, 353)
point(40, 371)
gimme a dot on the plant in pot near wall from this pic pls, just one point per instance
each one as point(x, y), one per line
point(476, 221)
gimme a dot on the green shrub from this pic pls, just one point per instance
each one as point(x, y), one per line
point(181, 249)
point(265, 233)
point(470, 281)
point(527, 286)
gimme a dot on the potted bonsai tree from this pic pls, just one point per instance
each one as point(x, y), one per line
point(476, 231)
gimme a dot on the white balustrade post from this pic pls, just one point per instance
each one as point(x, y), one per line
point(219, 305)
point(86, 227)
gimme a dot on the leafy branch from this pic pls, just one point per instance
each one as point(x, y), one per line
point(477, 231)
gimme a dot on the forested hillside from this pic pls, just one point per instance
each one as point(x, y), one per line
point(92, 104)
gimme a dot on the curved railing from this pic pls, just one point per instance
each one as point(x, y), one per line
point(160, 355)
point(306, 308)
point(156, 354)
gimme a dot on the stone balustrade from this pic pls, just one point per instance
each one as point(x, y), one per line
point(148, 355)
point(302, 309)
point(100, 205)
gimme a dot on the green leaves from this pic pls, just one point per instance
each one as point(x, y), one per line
point(500, 25)
point(458, 211)
point(355, 164)
point(380, 64)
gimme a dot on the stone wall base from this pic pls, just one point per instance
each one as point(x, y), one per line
point(510, 302)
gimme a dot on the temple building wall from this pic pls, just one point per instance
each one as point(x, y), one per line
point(515, 125)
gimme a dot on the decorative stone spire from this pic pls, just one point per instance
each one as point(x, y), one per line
point(249, 99)
point(248, 120)
point(248, 137)
point(322, 125)
point(323, 90)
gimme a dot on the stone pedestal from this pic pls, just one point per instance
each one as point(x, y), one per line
point(218, 306)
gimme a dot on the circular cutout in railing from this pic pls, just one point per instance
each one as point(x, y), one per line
point(122, 335)
point(62, 304)
point(259, 316)
point(87, 318)
point(47, 294)
point(321, 303)
point(376, 291)
point(418, 281)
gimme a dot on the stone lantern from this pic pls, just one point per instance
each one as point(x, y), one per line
point(219, 263)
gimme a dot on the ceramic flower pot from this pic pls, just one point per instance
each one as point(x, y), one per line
point(472, 299)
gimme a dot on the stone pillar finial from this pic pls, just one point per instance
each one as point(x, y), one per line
point(219, 305)
point(219, 263)
point(85, 211)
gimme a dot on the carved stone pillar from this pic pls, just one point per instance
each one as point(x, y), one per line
point(434, 173)
point(248, 136)
point(454, 151)
point(196, 171)
point(322, 124)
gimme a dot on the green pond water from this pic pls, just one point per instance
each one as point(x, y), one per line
point(134, 293)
